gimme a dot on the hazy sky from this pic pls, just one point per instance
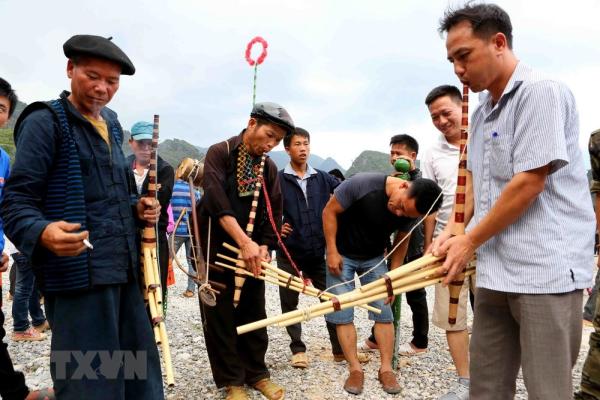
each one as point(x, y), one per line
point(351, 72)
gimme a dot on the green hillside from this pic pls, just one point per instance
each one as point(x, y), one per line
point(370, 161)
point(6, 142)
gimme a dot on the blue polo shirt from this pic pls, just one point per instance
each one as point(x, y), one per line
point(4, 172)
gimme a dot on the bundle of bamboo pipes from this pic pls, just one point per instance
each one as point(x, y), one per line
point(274, 275)
point(150, 270)
point(417, 274)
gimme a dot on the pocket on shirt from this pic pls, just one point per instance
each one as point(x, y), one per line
point(501, 165)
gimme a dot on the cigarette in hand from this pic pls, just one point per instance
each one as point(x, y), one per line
point(88, 244)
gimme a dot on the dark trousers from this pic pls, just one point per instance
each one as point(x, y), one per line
point(163, 259)
point(12, 277)
point(315, 271)
point(589, 310)
point(12, 383)
point(541, 333)
point(26, 300)
point(236, 360)
point(108, 318)
point(417, 301)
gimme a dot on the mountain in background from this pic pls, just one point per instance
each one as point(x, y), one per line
point(170, 150)
point(370, 161)
point(281, 159)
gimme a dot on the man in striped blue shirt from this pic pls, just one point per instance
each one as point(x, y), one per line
point(179, 201)
point(530, 212)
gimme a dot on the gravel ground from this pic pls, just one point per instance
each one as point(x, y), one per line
point(423, 377)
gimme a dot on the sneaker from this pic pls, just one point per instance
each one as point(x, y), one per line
point(42, 327)
point(460, 391)
point(31, 334)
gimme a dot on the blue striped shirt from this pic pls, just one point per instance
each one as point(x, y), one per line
point(550, 247)
point(179, 201)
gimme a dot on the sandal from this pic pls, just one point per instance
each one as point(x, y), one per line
point(42, 394)
point(236, 393)
point(363, 358)
point(407, 349)
point(270, 390)
point(299, 360)
point(367, 346)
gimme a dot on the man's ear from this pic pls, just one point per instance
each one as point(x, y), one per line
point(251, 123)
point(404, 184)
point(70, 67)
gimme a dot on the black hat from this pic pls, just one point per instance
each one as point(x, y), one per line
point(274, 113)
point(97, 46)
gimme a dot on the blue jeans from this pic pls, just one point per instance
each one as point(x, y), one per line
point(187, 242)
point(26, 297)
point(350, 268)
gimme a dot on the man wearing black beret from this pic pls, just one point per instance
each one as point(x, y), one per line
point(232, 170)
point(69, 188)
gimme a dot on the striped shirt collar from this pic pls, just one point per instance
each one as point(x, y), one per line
point(520, 74)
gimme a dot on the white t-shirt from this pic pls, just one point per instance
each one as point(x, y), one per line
point(440, 164)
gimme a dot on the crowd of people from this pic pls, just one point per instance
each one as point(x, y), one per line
point(73, 206)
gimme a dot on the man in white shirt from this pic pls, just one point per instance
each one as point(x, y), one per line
point(440, 165)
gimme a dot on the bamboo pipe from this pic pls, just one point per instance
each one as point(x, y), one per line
point(343, 298)
point(459, 204)
point(408, 288)
point(295, 286)
point(286, 275)
point(352, 299)
point(405, 269)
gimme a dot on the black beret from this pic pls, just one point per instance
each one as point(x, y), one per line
point(274, 113)
point(97, 46)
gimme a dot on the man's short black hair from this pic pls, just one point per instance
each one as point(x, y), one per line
point(7, 91)
point(338, 174)
point(445, 90)
point(486, 20)
point(425, 192)
point(407, 140)
point(287, 139)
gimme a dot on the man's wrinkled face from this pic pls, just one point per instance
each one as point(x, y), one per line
point(4, 108)
point(401, 204)
point(446, 116)
point(473, 58)
point(262, 139)
point(94, 82)
point(299, 149)
point(142, 150)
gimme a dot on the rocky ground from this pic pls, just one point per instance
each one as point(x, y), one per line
point(423, 377)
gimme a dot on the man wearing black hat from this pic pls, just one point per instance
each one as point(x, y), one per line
point(68, 208)
point(231, 172)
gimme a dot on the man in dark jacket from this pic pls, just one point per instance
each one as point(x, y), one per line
point(232, 170)
point(68, 188)
point(139, 162)
point(305, 192)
